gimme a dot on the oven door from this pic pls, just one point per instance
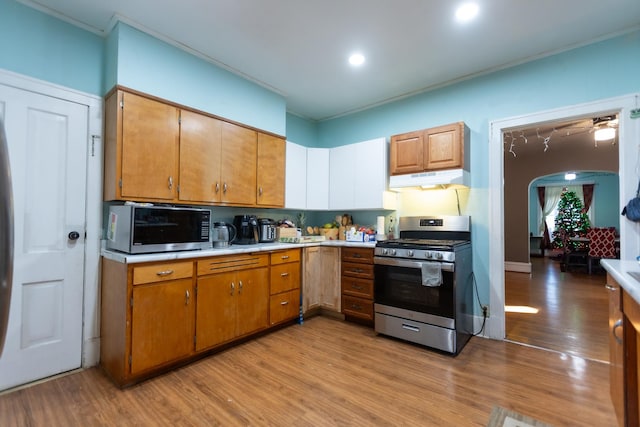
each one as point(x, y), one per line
point(398, 283)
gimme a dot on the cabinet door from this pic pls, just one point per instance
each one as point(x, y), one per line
point(406, 153)
point(253, 300)
point(200, 148)
point(330, 290)
point(371, 180)
point(616, 350)
point(295, 177)
point(149, 149)
point(318, 178)
point(443, 147)
point(312, 278)
point(239, 159)
point(270, 171)
point(216, 310)
point(162, 327)
point(342, 166)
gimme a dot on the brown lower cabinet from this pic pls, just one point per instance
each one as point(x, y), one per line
point(357, 283)
point(160, 314)
point(624, 345)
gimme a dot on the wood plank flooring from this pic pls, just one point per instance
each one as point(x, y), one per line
point(330, 372)
point(573, 316)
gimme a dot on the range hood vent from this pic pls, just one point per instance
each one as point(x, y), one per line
point(452, 178)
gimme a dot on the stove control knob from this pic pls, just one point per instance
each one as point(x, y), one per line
point(427, 254)
point(438, 255)
point(409, 253)
point(385, 251)
point(393, 251)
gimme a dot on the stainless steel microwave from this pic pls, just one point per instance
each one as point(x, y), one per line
point(140, 229)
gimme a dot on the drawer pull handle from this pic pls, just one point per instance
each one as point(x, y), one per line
point(284, 303)
point(240, 285)
point(356, 255)
point(356, 306)
point(613, 330)
point(285, 257)
point(187, 296)
point(224, 188)
point(354, 286)
point(164, 273)
point(233, 287)
point(284, 274)
point(170, 183)
point(610, 288)
point(217, 187)
point(410, 328)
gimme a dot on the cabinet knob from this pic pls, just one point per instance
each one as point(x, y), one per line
point(613, 330)
point(240, 287)
point(74, 235)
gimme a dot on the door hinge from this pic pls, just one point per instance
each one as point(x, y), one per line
point(131, 302)
point(93, 144)
point(129, 360)
point(122, 104)
point(120, 183)
point(178, 188)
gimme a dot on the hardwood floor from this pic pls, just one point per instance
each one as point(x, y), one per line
point(573, 310)
point(330, 372)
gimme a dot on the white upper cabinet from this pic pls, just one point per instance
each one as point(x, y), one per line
point(318, 178)
point(296, 177)
point(359, 176)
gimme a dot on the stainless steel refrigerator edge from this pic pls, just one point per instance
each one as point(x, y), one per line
point(6, 236)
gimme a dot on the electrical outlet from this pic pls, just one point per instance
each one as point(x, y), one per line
point(485, 309)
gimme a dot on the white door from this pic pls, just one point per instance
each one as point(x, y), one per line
point(47, 139)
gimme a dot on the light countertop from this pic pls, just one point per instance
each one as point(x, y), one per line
point(620, 272)
point(232, 250)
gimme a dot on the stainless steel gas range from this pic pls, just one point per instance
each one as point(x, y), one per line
point(424, 283)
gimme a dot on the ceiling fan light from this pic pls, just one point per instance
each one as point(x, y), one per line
point(604, 134)
point(569, 176)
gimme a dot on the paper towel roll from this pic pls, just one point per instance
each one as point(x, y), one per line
point(380, 225)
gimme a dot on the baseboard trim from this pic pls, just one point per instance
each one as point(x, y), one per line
point(518, 267)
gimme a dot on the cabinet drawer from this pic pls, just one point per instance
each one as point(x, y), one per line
point(222, 264)
point(284, 306)
point(360, 255)
point(162, 272)
point(285, 277)
point(361, 288)
point(281, 257)
point(357, 307)
point(363, 271)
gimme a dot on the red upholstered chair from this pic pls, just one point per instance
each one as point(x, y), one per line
point(602, 244)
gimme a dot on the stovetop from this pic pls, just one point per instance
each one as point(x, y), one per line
point(430, 244)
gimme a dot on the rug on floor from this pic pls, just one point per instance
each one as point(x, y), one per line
point(501, 417)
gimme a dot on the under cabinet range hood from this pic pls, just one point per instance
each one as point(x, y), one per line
point(450, 178)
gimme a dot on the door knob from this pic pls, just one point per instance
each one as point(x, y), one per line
point(74, 235)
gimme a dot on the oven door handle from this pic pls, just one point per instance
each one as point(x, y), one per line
point(395, 262)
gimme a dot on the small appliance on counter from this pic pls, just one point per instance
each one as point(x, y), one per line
point(222, 234)
point(246, 230)
point(266, 230)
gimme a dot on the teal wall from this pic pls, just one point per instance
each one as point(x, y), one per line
point(152, 66)
point(40, 46)
point(301, 131)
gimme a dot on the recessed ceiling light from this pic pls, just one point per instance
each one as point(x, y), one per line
point(569, 176)
point(466, 12)
point(356, 59)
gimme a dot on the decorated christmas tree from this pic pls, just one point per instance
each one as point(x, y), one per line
point(571, 221)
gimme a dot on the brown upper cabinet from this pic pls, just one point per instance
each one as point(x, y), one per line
point(271, 171)
point(442, 147)
point(155, 151)
point(141, 148)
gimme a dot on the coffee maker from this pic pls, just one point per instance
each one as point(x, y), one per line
point(246, 229)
